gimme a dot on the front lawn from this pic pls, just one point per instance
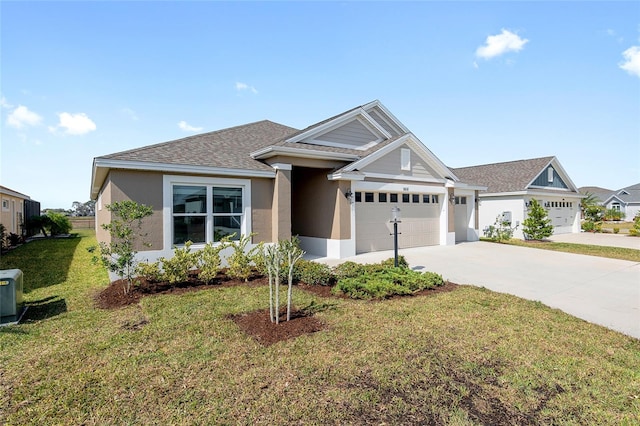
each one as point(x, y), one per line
point(591, 250)
point(469, 356)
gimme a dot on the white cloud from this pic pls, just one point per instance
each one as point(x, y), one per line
point(240, 87)
point(22, 117)
point(499, 44)
point(130, 113)
point(631, 62)
point(75, 124)
point(188, 128)
point(4, 103)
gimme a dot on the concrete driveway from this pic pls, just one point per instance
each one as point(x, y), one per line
point(599, 290)
point(612, 240)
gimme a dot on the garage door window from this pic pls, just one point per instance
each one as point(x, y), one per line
point(368, 197)
point(382, 197)
point(393, 198)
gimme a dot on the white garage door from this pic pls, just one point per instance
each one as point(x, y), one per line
point(562, 215)
point(419, 226)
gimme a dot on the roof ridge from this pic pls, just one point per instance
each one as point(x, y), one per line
point(550, 157)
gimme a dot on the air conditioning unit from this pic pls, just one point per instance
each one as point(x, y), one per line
point(11, 304)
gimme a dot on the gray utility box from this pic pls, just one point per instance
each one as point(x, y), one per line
point(10, 295)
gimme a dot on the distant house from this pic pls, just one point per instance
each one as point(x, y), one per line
point(16, 209)
point(511, 186)
point(601, 194)
point(333, 184)
point(626, 200)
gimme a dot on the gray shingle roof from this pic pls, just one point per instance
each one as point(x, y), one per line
point(601, 193)
point(632, 194)
point(226, 148)
point(510, 176)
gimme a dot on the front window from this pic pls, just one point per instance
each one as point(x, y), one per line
point(204, 213)
point(227, 212)
point(189, 214)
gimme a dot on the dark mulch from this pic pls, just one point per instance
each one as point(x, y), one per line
point(256, 324)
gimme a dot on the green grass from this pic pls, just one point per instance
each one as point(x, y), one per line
point(622, 226)
point(591, 250)
point(466, 357)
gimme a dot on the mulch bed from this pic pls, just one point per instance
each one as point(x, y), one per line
point(256, 324)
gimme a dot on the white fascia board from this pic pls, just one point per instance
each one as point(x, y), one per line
point(346, 176)
point(272, 151)
point(384, 109)
point(101, 168)
point(411, 140)
point(325, 126)
point(377, 154)
point(531, 193)
point(403, 177)
point(12, 193)
point(460, 185)
point(611, 198)
point(358, 113)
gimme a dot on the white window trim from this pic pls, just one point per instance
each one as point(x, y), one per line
point(168, 181)
point(5, 201)
point(405, 159)
point(550, 174)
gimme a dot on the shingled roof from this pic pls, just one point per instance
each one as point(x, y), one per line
point(600, 193)
point(226, 148)
point(510, 176)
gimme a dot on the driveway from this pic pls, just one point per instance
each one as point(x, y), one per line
point(612, 240)
point(599, 290)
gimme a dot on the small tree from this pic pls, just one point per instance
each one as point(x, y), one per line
point(292, 252)
point(272, 260)
point(537, 225)
point(635, 231)
point(125, 229)
point(501, 230)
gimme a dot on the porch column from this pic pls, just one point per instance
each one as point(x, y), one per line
point(281, 207)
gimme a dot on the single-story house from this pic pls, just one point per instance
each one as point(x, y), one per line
point(16, 208)
point(511, 186)
point(626, 200)
point(333, 184)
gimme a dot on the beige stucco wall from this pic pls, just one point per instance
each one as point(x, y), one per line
point(144, 188)
point(261, 203)
point(13, 216)
point(319, 206)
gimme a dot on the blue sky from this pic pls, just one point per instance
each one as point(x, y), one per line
point(476, 82)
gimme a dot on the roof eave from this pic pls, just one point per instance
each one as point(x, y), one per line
point(102, 166)
point(272, 151)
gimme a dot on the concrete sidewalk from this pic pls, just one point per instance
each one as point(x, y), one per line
point(599, 290)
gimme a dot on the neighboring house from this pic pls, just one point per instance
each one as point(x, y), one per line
point(600, 194)
point(626, 200)
point(16, 208)
point(332, 184)
point(512, 185)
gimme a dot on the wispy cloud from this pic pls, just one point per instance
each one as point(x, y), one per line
point(631, 63)
point(187, 127)
point(4, 103)
point(499, 44)
point(130, 113)
point(21, 117)
point(74, 124)
point(243, 87)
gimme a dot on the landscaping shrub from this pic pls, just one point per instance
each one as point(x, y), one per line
point(635, 231)
point(150, 271)
point(386, 283)
point(209, 261)
point(501, 230)
point(312, 273)
point(616, 230)
point(537, 225)
point(348, 269)
point(176, 270)
point(240, 261)
point(58, 223)
point(589, 226)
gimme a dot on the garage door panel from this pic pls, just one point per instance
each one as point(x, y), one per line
point(419, 226)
